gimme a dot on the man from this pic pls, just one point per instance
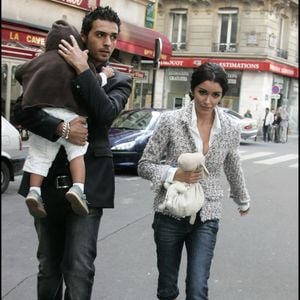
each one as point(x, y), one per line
point(268, 120)
point(248, 114)
point(68, 242)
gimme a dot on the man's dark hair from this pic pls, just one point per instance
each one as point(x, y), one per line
point(212, 72)
point(100, 13)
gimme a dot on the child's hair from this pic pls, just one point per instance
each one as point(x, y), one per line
point(62, 30)
point(100, 13)
point(212, 72)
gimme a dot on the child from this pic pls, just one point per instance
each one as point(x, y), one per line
point(46, 82)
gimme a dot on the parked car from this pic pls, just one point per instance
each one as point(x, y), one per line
point(130, 133)
point(248, 125)
point(13, 155)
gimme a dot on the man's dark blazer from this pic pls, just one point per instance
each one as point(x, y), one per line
point(103, 105)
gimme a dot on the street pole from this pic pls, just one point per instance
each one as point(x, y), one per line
point(157, 53)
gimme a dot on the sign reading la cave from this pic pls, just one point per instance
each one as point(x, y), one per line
point(23, 37)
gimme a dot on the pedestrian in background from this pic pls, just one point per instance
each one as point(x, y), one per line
point(248, 114)
point(199, 127)
point(276, 126)
point(267, 125)
point(284, 124)
point(272, 129)
point(67, 241)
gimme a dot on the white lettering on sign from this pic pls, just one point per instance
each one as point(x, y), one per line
point(172, 63)
point(232, 81)
point(274, 68)
point(232, 75)
point(178, 73)
point(178, 78)
point(74, 2)
point(244, 66)
point(278, 69)
point(36, 40)
point(81, 4)
point(197, 62)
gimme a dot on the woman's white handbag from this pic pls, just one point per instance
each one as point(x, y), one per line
point(183, 199)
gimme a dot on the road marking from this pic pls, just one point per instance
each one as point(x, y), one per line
point(255, 155)
point(277, 159)
point(132, 178)
point(122, 178)
point(294, 165)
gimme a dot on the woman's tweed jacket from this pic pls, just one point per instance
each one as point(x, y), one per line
point(172, 137)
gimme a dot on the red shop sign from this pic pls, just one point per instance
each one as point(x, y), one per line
point(80, 4)
point(21, 36)
point(233, 64)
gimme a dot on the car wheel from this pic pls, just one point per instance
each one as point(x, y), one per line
point(4, 177)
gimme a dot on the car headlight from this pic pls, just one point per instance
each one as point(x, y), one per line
point(124, 146)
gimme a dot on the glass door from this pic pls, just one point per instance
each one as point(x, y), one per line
point(10, 88)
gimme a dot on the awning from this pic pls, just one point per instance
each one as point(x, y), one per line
point(133, 39)
point(21, 40)
point(141, 41)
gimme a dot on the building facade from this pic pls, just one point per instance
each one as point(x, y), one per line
point(255, 41)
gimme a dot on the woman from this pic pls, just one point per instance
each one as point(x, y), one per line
point(199, 127)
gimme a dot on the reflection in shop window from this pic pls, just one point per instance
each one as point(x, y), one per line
point(13, 78)
point(16, 90)
point(3, 87)
point(3, 76)
point(3, 72)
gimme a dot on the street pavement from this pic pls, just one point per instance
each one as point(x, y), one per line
point(256, 257)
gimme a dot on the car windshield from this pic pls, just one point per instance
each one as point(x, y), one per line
point(136, 120)
point(235, 114)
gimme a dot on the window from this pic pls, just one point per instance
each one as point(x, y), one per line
point(178, 27)
point(228, 30)
point(283, 35)
point(178, 102)
point(10, 88)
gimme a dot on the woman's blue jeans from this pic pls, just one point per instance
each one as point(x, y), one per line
point(200, 239)
point(66, 252)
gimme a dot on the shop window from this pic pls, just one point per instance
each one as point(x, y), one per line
point(232, 97)
point(178, 29)
point(227, 41)
point(10, 89)
point(178, 102)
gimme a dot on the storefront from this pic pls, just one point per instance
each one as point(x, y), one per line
point(136, 44)
point(250, 85)
point(19, 43)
